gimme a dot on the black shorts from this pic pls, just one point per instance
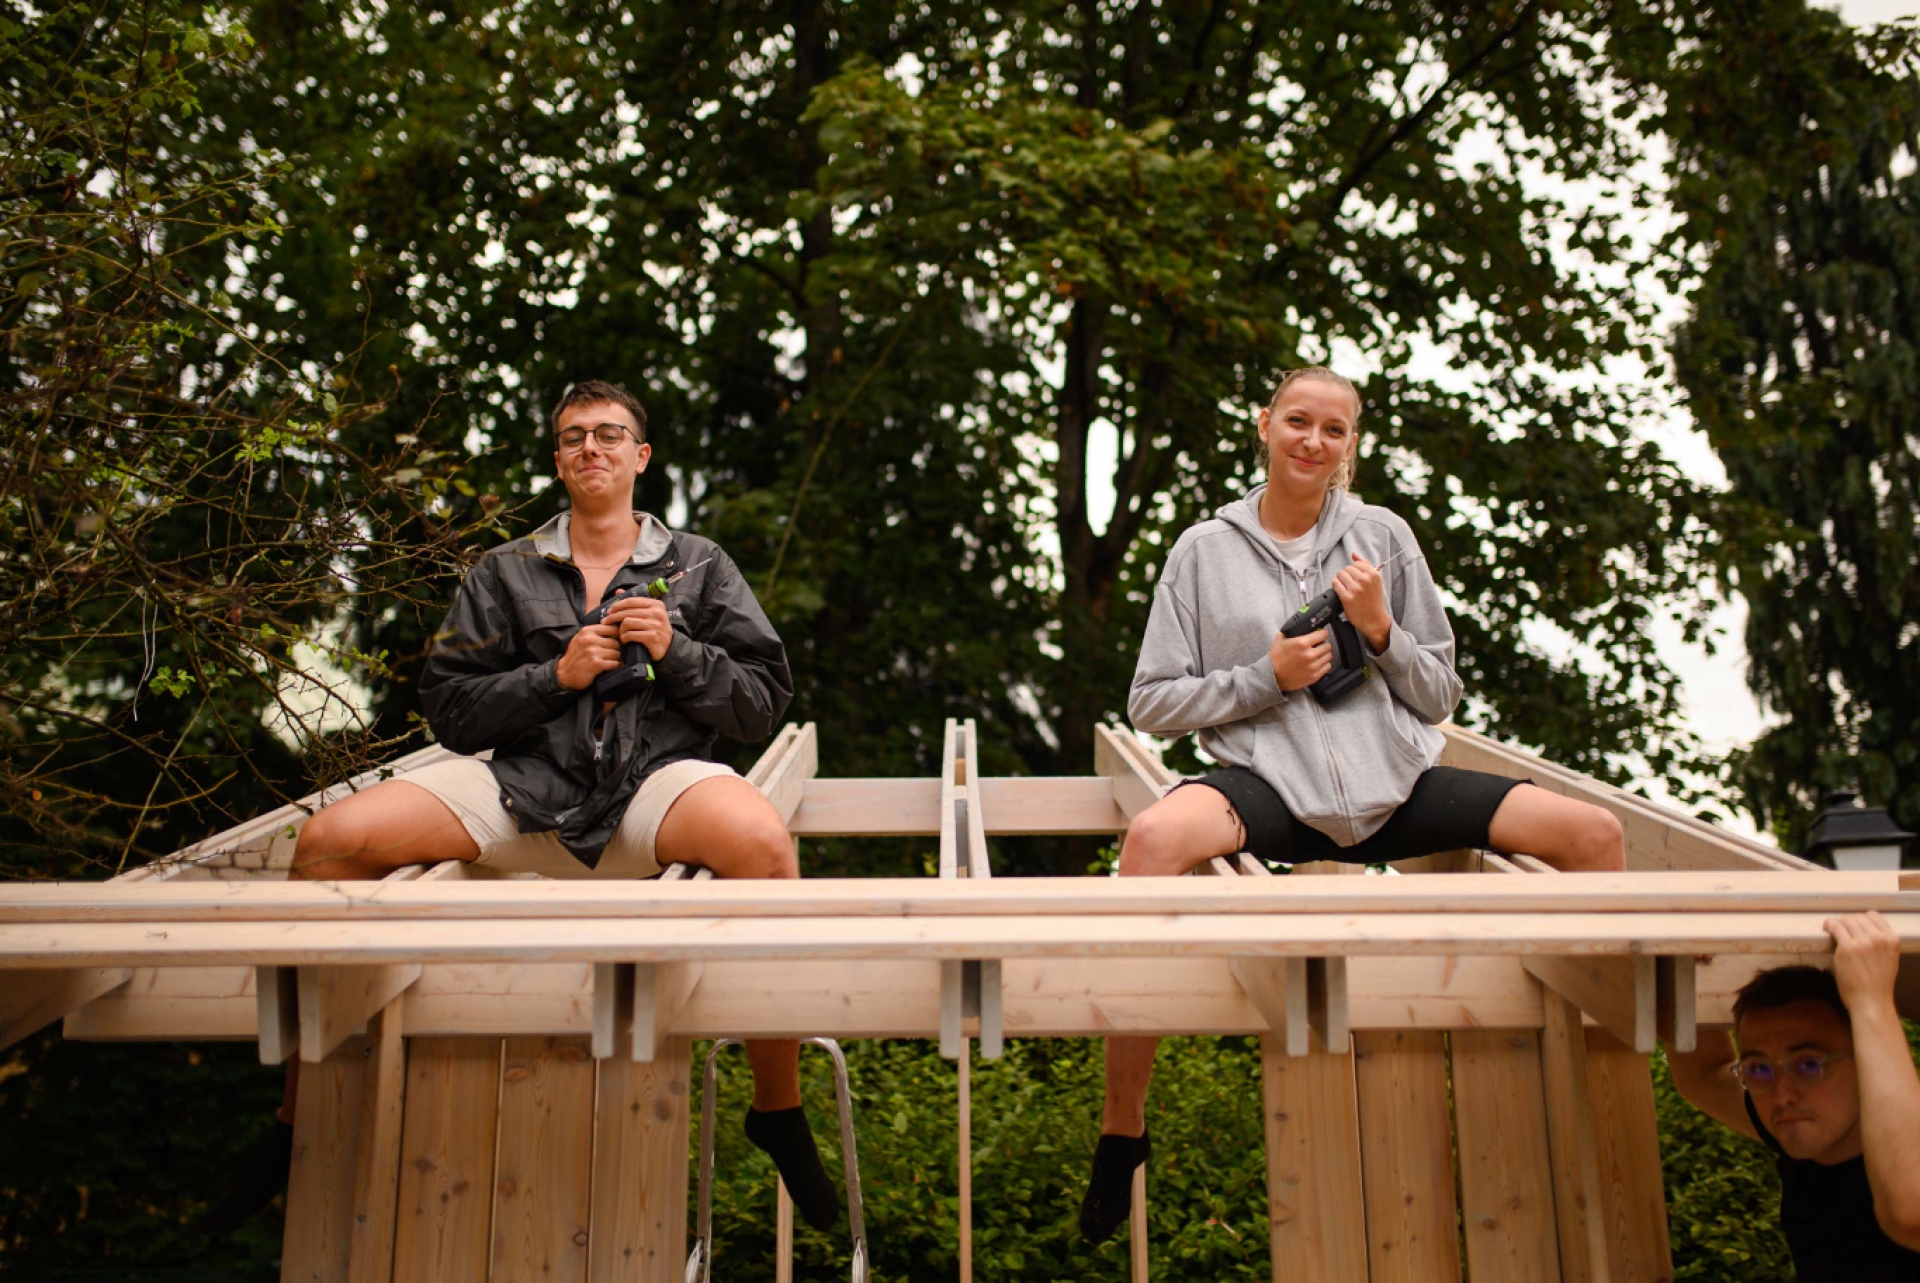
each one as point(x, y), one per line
point(1449, 809)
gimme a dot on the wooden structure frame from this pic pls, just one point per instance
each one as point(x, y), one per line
point(499, 1069)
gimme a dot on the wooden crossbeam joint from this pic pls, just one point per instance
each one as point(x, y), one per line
point(1619, 993)
point(972, 990)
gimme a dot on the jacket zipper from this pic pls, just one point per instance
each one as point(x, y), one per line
point(1320, 725)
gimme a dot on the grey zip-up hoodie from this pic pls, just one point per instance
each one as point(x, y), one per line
point(1223, 595)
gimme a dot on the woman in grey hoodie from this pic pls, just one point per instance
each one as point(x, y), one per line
point(1356, 780)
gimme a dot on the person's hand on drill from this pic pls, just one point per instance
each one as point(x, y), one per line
point(1363, 596)
point(592, 651)
point(1299, 662)
point(643, 619)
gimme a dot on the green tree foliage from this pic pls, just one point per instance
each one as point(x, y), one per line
point(179, 501)
point(1794, 172)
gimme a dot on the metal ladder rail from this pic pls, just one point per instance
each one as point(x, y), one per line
point(700, 1259)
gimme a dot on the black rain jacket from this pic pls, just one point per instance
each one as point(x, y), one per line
point(492, 682)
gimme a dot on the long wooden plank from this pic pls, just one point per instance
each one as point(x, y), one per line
point(544, 1165)
point(100, 903)
point(446, 1160)
point(1619, 993)
point(868, 808)
point(1627, 1141)
point(334, 1002)
point(1314, 1190)
point(376, 1180)
point(1581, 1230)
point(1137, 784)
point(30, 1003)
point(640, 1168)
point(589, 940)
point(320, 1183)
point(784, 782)
point(165, 1004)
point(1406, 1148)
point(1506, 1171)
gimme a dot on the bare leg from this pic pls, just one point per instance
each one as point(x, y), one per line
point(372, 833)
point(1185, 828)
point(1574, 837)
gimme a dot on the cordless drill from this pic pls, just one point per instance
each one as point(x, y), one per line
point(1349, 660)
point(636, 666)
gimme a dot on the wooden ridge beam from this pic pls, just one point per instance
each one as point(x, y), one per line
point(30, 1003)
point(957, 938)
point(428, 898)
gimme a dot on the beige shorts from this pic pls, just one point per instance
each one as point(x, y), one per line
point(469, 791)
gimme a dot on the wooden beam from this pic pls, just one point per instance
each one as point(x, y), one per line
point(1572, 1145)
point(1627, 1139)
point(868, 808)
point(376, 1181)
point(30, 1002)
point(660, 990)
point(1506, 1171)
point(1138, 781)
point(276, 995)
point(1676, 1001)
point(713, 939)
point(1619, 993)
point(171, 1004)
point(784, 780)
point(1327, 1001)
point(1277, 988)
point(1314, 1184)
point(91, 904)
point(543, 1167)
point(334, 1003)
point(1406, 1149)
point(446, 1160)
point(1050, 805)
point(318, 1237)
point(641, 1128)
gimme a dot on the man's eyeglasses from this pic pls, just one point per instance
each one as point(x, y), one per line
point(607, 436)
point(1809, 1069)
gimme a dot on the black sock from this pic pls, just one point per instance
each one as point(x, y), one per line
point(788, 1140)
point(1110, 1188)
point(262, 1173)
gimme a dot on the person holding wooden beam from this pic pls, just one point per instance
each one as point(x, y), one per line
point(1818, 1069)
point(585, 781)
point(1356, 778)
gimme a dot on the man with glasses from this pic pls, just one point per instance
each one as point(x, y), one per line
point(1822, 1075)
point(591, 781)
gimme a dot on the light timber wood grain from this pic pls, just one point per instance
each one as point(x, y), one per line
point(193, 1004)
point(1406, 1151)
point(1138, 782)
point(420, 900)
point(1137, 1228)
point(1314, 1189)
point(868, 808)
point(782, 1232)
point(963, 1096)
point(501, 998)
point(612, 1006)
point(31, 1002)
point(1327, 1000)
point(1506, 1172)
point(320, 1182)
point(446, 1160)
point(784, 782)
point(1277, 988)
point(1627, 1143)
point(640, 1168)
point(336, 1002)
point(1677, 1000)
point(660, 990)
point(1581, 1227)
point(35, 946)
point(277, 1009)
point(544, 1167)
point(376, 1178)
point(1619, 993)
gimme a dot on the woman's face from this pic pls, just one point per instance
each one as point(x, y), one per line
point(1308, 432)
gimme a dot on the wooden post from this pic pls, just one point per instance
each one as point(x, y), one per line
point(446, 1160)
point(1627, 1143)
point(966, 1162)
point(1137, 1228)
point(1570, 1141)
point(543, 1168)
point(376, 1183)
point(782, 1232)
point(640, 1167)
point(1406, 1148)
point(1506, 1173)
point(320, 1184)
point(1314, 1192)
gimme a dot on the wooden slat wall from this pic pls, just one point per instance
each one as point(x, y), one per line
point(1406, 1150)
point(1627, 1142)
point(320, 1185)
point(446, 1160)
point(1319, 1231)
point(640, 1167)
point(1506, 1173)
point(545, 1161)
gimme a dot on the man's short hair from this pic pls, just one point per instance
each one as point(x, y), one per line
point(1784, 986)
point(600, 392)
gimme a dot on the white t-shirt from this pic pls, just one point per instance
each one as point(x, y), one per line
point(1298, 554)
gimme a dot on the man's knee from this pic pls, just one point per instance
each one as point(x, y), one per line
point(1600, 844)
point(1155, 846)
point(329, 834)
point(759, 847)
